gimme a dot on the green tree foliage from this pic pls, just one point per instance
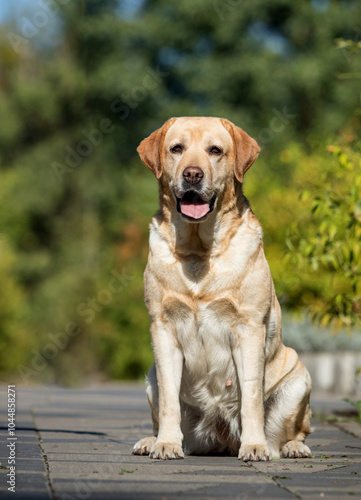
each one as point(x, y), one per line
point(76, 98)
point(326, 245)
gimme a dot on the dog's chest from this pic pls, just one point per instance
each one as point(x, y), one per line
point(204, 333)
point(196, 278)
point(201, 277)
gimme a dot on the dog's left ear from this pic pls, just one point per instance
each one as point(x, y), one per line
point(246, 149)
point(150, 149)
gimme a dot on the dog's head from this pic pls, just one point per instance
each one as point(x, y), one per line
point(196, 159)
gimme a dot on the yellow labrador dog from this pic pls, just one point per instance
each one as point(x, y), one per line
point(222, 382)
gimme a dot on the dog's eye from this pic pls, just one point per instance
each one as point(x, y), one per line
point(178, 148)
point(215, 151)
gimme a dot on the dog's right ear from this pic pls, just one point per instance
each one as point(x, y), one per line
point(246, 149)
point(150, 149)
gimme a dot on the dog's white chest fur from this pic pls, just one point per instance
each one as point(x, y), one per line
point(191, 275)
point(203, 329)
point(206, 340)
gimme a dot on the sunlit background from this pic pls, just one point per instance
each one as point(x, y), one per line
point(83, 82)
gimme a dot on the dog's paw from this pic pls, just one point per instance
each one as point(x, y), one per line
point(144, 446)
point(296, 449)
point(166, 451)
point(254, 452)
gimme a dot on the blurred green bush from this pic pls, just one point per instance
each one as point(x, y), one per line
point(325, 247)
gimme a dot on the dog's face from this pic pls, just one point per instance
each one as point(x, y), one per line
point(196, 159)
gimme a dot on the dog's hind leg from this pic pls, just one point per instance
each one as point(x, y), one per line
point(143, 446)
point(288, 416)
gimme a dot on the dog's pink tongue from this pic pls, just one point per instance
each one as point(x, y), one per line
point(196, 211)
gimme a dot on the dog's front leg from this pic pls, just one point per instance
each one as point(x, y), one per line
point(249, 357)
point(169, 365)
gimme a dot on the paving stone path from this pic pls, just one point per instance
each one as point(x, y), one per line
point(76, 445)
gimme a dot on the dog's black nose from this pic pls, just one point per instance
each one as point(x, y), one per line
point(193, 175)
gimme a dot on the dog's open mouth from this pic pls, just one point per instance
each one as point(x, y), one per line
point(193, 206)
